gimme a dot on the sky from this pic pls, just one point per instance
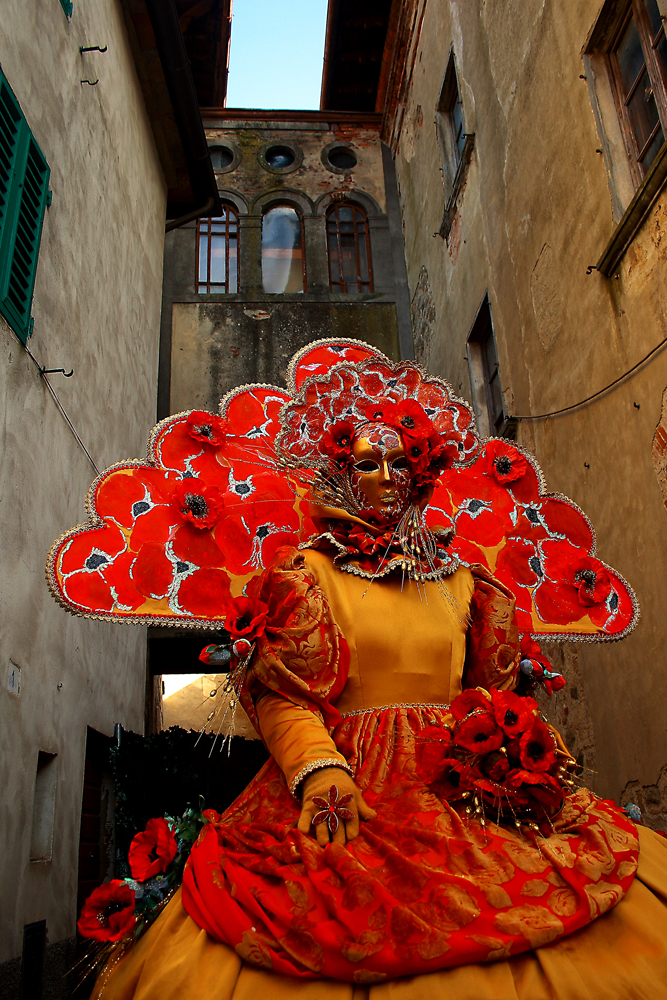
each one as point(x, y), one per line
point(276, 54)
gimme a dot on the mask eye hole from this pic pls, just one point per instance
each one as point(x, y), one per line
point(366, 467)
point(400, 465)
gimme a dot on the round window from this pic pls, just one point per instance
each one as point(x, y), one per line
point(279, 157)
point(221, 157)
point(342, 157)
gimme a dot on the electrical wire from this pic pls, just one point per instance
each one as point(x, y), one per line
point(62, 409)
point(582, 402)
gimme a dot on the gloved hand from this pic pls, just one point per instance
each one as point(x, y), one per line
point(318, 784)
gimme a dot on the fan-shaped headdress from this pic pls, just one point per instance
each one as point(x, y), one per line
point(169, 539)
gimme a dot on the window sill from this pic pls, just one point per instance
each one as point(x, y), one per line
point(457, 186)
point(635, 215)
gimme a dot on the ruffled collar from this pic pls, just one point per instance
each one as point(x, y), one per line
point(369, 550)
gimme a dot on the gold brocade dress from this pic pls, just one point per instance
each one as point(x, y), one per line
point(407, 661)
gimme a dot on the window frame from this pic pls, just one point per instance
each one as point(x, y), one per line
point(490, 423)
point(454, 154)
point(344, 287)
point(24, 197)
point(295, 208)
point(217, 288)
point(657, 77)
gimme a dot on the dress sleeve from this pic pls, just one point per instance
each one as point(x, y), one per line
point(299, 669)
point(493, 654)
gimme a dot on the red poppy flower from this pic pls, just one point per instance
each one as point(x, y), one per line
point(592, 581)
point(505, 463)
point(108, 913)
point(513, 714)
point(538, 747)
point(454, 780)
point(207, 427)
point(152, 851)
point(198, 503)
point(468, 701)
point(496, 767)
point(337, 441)
point(432, 748)
point(246, 618)
point(479, 732)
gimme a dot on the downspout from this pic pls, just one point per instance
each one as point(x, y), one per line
point(180, 86)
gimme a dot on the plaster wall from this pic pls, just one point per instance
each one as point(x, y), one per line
point(96, 309)
point(538, 207)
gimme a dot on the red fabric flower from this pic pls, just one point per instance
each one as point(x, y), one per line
point(198, 503)
point(479, 732)
point(246, 618)
point(152, 851)
point(207, 427)
point(513, 714)
point(468, 701)
point(433, 747)
point(592, 581)
point(505, 463)
point(108, 913)
point(407, 416)
point(337, 442)
point(538, 747)
point(496, 767)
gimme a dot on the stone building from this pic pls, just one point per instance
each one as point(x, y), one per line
point(309, 245)
point(529, 142)
point(93, 157)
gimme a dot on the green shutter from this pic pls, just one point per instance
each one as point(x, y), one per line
point(24, 180)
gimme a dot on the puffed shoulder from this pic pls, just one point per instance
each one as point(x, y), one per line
point(493, 655)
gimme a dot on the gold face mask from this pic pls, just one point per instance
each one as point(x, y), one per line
point(380, 474)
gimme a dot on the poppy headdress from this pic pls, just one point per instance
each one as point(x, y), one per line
point(171, 539)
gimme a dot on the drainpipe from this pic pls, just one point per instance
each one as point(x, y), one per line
point(180, 86)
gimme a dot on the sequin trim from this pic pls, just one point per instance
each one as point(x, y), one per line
point(317, 765)
point(387, 708)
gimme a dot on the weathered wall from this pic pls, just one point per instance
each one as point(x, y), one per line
point(96, 309)
point(213, 342)
point(535, 212)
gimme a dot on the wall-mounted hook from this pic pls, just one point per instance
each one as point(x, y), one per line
point(586, 465)
point(637, 406)
point(56, 371)
point(582, 76)
point(91, 83)
point(92, 48)
point(591, 268)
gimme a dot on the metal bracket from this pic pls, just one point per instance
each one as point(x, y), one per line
point(91, 83)
point(55, 371)
point(92, 48)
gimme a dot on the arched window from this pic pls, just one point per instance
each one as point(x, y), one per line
point(349, 249)
point(217, 252)
point(283, 259)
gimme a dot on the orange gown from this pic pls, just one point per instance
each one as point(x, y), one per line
point(493, 901)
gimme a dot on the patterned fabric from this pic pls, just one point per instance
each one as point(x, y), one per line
point(421, 888)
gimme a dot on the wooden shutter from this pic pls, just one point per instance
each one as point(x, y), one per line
point(24, 181)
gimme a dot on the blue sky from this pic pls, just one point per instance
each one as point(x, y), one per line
point(276, 53)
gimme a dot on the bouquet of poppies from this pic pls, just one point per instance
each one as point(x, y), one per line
point(495, 750)
point(120, 910)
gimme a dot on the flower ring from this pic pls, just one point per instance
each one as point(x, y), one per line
point(333, 810)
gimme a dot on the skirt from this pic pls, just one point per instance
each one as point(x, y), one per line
point(424, 900)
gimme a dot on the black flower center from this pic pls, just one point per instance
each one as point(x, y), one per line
point(140, 507)
point(242, 623)
point(503, 465)
point(415, 451)
point(262, 531)
point(196, 505)
point(205, 430)
point(474, 506)
point(588, 576)
point(242, 489)
point(113, 907)
point(96, 560)
point(343, 440)
point(481, 737)
point(532, 515)
point(535, 750)
point(535, 565)
point(511, 718)
point(407, 422)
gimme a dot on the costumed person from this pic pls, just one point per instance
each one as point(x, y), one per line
point(383, 576)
